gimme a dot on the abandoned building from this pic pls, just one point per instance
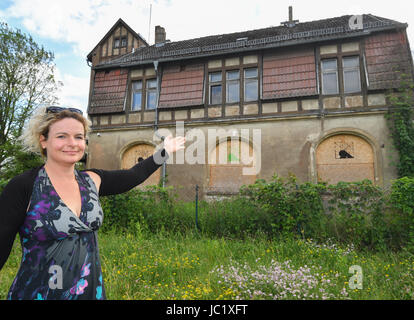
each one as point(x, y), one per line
point(316, 91)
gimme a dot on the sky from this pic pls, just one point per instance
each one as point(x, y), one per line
point(71, 29)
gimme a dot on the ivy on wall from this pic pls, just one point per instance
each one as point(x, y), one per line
point(401, 125)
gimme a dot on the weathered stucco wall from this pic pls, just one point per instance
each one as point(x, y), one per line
point(287, 146)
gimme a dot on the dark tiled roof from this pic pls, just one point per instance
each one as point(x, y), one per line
point(255, 39)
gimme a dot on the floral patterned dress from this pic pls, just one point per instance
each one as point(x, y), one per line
point(60, 258)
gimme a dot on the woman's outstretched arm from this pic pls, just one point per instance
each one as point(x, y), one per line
point(120, 181)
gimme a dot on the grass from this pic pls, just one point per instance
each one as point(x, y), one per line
point(191, 266)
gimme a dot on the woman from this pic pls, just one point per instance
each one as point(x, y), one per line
point(56, 210)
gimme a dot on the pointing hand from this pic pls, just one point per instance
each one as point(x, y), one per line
point(172, 145)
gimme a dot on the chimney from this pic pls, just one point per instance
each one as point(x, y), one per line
point(291, 22)
point(160, 35)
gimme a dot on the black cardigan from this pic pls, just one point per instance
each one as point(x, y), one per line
point(16, 195)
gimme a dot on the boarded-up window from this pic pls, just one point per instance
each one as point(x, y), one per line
point(387, 53)
point(226, 167)
point(182, 86)
point(345, 158)
point(109, 91)
point(289, 74)
point(136, 154)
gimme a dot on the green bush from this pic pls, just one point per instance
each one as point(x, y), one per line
point(292, 208)
point(401, 201)
point(356, 214)
point(124, 211)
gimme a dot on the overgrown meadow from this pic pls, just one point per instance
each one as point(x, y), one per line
point(277, 240)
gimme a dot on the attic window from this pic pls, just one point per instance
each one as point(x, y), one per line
point(120, 42)
point(242, 39)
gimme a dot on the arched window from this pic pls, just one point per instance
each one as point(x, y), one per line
point(138, 153)
point(345, 157)
point(226, 164)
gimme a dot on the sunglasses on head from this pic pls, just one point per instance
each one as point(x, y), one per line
point(60, 109)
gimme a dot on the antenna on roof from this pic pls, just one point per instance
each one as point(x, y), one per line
point(149, 25)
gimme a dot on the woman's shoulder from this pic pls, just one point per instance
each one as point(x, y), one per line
point(95, 175)
point(23, 180)
point(28, 175)
point(20, 187)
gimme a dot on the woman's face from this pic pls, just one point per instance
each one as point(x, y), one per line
point(66, 141)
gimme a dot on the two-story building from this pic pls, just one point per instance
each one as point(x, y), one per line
point(314, 94)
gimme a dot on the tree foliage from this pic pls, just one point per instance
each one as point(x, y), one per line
point(26, 81)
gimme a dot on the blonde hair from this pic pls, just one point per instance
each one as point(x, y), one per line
point(39, 124)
